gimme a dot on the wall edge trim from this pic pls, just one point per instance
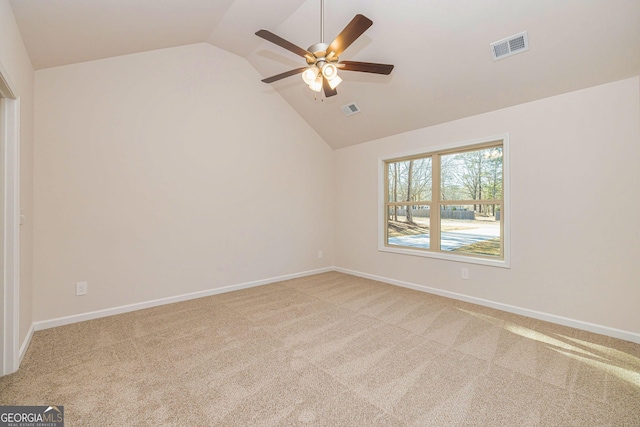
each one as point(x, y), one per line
point(25, 343)
point(75, 318)
point(560, 320)
point(552, 318)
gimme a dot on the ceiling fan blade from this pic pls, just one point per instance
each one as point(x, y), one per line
point(327, 89)
point(283, 75)
point(365, 67)
point(269, 36)
point(351, 32)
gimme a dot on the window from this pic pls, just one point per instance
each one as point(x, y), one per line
point(448, 203)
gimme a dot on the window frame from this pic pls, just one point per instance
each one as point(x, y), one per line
point(435, 153)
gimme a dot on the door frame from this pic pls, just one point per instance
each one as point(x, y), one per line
point(10, 203)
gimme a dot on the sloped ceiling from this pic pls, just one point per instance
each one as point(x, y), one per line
point(440, 48)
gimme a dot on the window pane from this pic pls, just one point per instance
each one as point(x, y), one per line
point(472, 175)
point(410, 230)
point(471, 229)
point(409, 180)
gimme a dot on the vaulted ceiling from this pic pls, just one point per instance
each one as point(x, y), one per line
point(444, 69)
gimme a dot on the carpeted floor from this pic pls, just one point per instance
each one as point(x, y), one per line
point(330, 349)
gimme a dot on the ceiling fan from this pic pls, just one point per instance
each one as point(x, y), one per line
point(321, 72)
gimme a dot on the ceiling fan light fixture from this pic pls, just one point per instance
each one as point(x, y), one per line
point(329, 71)
point(310, 74)
point(316, 85)
point(334, 82)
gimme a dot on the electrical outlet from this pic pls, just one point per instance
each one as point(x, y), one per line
point(319, 254)
point(464, 273)
point(82, 288)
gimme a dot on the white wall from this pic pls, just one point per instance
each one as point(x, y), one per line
point(16, 62)
point(575, 230)
point(170, 172)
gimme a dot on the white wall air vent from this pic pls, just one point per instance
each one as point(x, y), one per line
point(350, 109)
point(510, 46)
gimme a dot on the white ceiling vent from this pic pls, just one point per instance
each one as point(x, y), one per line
point(350, 109)
point(510, 46)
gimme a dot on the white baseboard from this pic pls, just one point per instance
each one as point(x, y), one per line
point(560, 320)
point(25, 344)
point(586, 326)
point(60, 321)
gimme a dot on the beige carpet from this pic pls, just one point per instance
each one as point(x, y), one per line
point(330, 349)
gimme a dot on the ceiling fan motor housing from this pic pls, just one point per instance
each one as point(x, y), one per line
point(319, 51)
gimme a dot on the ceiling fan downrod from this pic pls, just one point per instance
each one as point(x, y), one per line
point(322, 21)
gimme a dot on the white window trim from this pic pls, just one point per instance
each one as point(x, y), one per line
point(506, 215)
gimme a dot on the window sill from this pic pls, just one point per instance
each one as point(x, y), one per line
point(502, 263)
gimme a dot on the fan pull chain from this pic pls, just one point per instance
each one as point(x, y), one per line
point(315, 97)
